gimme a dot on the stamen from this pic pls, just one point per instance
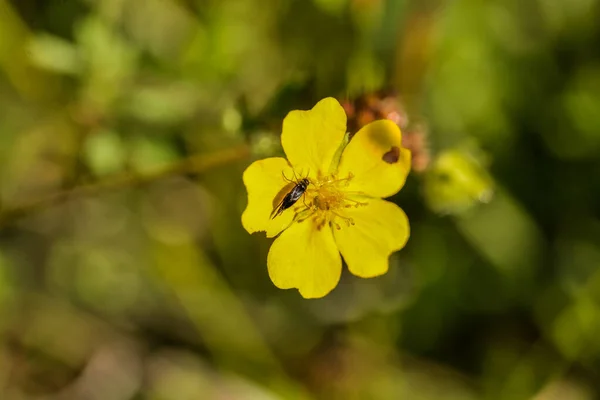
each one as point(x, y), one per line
point(331, 181)
point(303, 215)
point(348, 220)
point(321, 223)
point(356, 203)
point(323, 201)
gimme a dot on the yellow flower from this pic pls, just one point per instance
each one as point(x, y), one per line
point(341, 211)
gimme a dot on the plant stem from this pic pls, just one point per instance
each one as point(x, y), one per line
point(194, 164)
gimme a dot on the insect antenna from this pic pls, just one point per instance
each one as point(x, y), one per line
point(307, 174)
point(286, 178)
point(295, 176)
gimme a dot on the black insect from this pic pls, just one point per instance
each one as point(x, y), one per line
point(291, 198)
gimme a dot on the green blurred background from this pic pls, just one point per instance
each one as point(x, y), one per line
point(125, 126)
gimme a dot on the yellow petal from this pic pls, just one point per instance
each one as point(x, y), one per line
point(376, 159)
point(380, 229)
point(305, 258)
point(311, 138)
point(266, 187)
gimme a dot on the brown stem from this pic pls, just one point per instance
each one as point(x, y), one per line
point(196, 164)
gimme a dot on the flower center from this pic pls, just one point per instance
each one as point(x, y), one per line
point(326, 198)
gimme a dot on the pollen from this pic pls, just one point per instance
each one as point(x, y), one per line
point(326, 200)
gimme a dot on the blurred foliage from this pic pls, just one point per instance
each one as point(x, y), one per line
point(125, 127)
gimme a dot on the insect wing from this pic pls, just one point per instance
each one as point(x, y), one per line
point(290, 198)
point(287, 201)
point(278, 208)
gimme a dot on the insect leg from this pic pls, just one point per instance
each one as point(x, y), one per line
point(304, 201)
point(285, 177)
point(295, 177)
